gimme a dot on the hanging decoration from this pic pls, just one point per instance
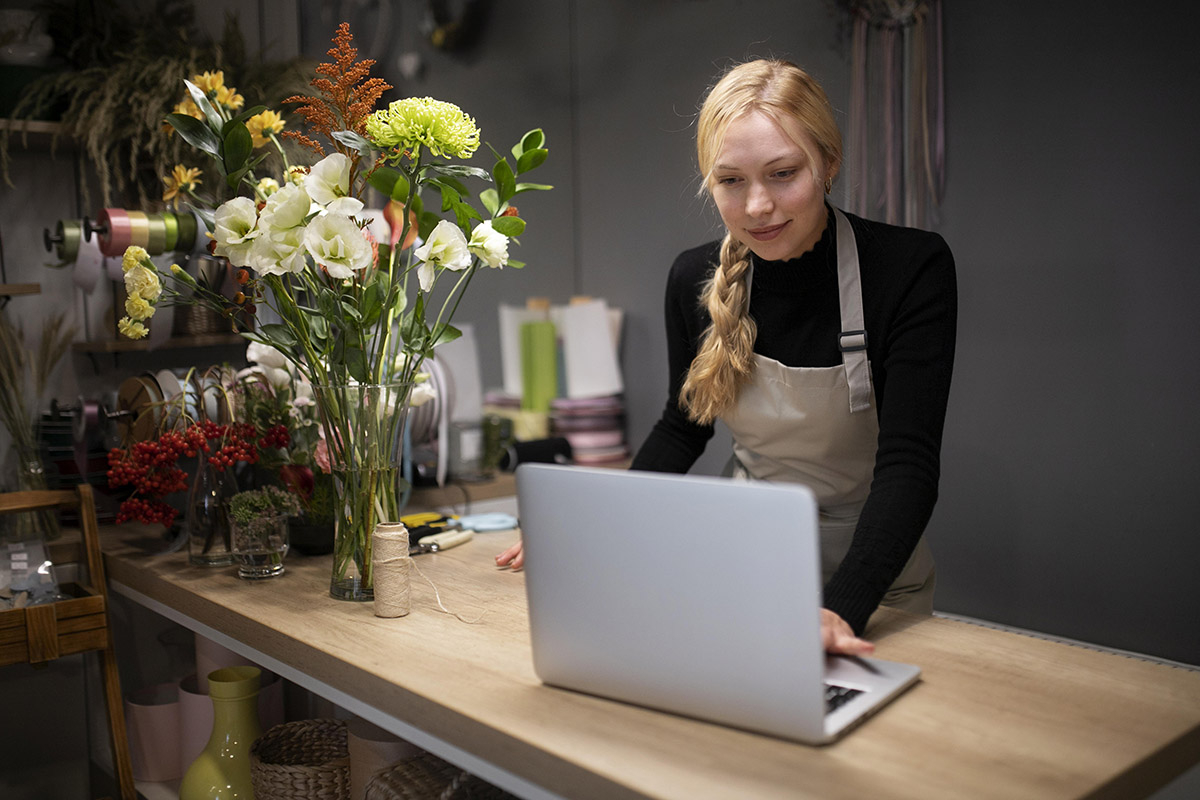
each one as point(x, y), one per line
point(897, 138)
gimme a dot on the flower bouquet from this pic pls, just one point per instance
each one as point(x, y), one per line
point(356, 314)
point(259, 520)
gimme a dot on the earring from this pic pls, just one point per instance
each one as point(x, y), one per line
point(828, 184)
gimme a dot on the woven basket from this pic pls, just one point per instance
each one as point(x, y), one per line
point(302, 760)
point(427, 777)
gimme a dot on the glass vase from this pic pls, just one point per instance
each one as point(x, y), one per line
point(222, 770)
point(363, 426)
point(207, 515)
point(259, 546)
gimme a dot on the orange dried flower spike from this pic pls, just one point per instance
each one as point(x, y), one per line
point(347, 96)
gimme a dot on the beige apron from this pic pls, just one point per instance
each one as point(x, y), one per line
point(794, 424)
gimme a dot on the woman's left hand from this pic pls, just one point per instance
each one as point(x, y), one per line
point(513, 557)
point(838, 637)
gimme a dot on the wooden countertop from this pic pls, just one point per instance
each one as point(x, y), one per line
point(996, 714)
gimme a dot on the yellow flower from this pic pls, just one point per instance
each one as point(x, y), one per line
point(209, 82)
point(181, 179)
point(267, 187)
point(138, 308)
point(229, 98)
point(416, 121)
point(143, 283)
point(189, 108)
point(131, 329)
point(261, 124)
point(297, 174)
point(133, 257)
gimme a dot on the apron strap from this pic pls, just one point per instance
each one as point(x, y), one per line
point(853, 339)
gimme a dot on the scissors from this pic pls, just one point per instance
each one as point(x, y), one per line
point(436, 542)
point(430, 532)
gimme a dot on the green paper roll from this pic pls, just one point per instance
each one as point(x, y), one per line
point(539, 365)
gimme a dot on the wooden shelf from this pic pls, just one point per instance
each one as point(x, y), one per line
point(142, 345)
point(14, 289)
point(39, 126)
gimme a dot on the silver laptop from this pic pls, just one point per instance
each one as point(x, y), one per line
point(694, 595)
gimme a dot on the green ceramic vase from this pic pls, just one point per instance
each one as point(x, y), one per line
point(222, 771)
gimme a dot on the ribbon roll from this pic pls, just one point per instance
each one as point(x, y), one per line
point(157, 234)
point(114, 231)
point(139, 229)
point(64, 243)
point(171, 227)
point(187, 232)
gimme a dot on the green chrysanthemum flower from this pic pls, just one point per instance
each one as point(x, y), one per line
point(415, 121)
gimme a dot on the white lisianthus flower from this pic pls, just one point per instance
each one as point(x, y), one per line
point(265, 355)
point(446, 247)
point(278, 252)
point(347, 206)
point(337, 244)
point(421, 394)
point(234, 229)
point(489, 244)
point(143, 283)
point(329, 179)
point(285, 209)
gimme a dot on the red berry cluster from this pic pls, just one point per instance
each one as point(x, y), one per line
point(151, 468)
point(276, 436)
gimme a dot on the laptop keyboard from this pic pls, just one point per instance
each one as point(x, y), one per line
point(837, 696)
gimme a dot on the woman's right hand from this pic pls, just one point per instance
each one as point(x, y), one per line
point(513, 557)
point(838, 637)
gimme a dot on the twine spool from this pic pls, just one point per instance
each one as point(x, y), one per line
point(391, 563)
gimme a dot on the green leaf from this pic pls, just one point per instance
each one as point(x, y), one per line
point(458, 171)
point(277, 335)
point(450, 195)
point(505, 180)
point(531, 159)
point(356, 365)
point(206, 108)
point(509, 226)
point(448, 333)
point(247, 114)
point(532, 187)
point(350, 312)
point(196, 133)
point(390, 182)
point(490, 200)
point(355, 142)
point(412, 327)
point(512, 262)
point(237, 148)
point(428, 221)
point(530, 141)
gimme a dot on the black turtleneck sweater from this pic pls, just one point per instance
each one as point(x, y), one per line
point(910, 306)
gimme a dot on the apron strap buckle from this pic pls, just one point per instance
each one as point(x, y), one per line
point(852, 341)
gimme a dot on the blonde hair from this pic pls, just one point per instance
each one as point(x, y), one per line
point(790, 96)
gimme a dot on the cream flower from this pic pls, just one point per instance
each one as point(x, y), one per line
point(278, 252)
point(446, 247)
point(337, 244)
point(329, 179)
point(143, 283)
point(131, 329)
point(267, 187)
point(133, 257)
point(138, 307)
point(285, 209)
point(266, 355)
point(296, 174)
point(234, 229)
point(489, 244)
point(421, 394)
point(416, 121)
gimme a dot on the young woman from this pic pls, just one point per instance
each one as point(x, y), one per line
point(824, 342)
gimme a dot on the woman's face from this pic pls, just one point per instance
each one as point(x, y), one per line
point(766, 188)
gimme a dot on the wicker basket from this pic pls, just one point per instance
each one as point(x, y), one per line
point(306, 760)
point(427, 777)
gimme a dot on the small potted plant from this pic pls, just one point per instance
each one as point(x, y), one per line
point(259, 520)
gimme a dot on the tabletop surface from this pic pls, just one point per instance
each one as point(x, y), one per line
point(996, 714)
